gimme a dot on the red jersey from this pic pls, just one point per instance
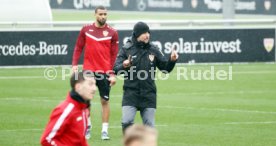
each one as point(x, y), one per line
point(101, 48)
point(67, 125)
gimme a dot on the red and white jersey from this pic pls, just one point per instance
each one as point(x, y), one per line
point(101, 48)
point(67, 125)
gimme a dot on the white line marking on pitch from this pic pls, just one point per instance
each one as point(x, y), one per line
point(169, 107)
point(28, 99)
point(254, 72)
point(117, 127)
point(222, 93)
point(16, 130)
point(21, 77)
point(249, 123)
point(45, 99)
point(219, 109)
point(40, 77)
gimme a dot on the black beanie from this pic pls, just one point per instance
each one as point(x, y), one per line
point(140, 28)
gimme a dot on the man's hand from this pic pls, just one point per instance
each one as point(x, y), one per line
point(75, 68)
point(112, 80)
point(127, 63)
point(174, 55)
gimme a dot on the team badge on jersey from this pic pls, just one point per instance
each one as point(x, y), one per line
point(105, 33)
point(151, 57)
point(268, 44)
point(79, 118)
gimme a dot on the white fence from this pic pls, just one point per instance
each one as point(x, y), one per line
point(154, 24)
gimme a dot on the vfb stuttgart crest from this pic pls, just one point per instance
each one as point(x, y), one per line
point(151, 57)
point(125, 3)
point(105, 33)
point(194, 3)
point(267, 5)
point(268, 44)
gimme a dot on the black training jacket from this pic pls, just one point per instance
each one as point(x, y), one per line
point(141, 93)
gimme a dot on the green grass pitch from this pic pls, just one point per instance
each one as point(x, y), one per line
point(235, 112)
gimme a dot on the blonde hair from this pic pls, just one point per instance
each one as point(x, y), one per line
point(138, 133)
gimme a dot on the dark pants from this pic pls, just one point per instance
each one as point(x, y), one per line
point(129, 112)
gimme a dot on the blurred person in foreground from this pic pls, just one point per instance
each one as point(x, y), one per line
point(140, 135)
point(99, 42)
point(138, 60)
point(68, 122)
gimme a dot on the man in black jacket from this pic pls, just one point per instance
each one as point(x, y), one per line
point(138, 60)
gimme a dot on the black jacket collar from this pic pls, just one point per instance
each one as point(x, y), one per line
point(141, 45)
point(78, 98)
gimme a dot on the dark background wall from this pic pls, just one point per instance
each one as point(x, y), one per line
point(217, 45)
